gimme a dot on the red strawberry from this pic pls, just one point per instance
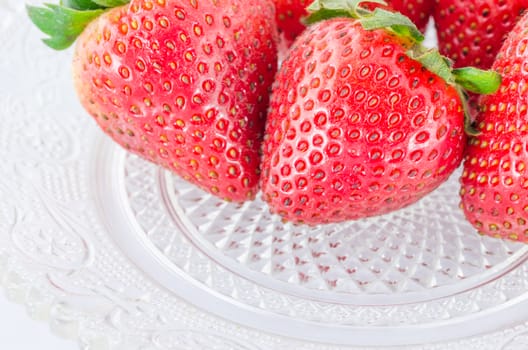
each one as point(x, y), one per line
point(289, 15)
point(184, 84)
point(356, 127)
point(470, 32)
point(495, 179)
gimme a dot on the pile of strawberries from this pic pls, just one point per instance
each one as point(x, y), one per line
point(359, 118)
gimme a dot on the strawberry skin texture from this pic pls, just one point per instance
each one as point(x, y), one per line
point(356, 128)
point(184, 84)
point(289, 14)
point(494, 184)
point(471, 32)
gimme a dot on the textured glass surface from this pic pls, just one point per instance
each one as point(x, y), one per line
point(119, 254)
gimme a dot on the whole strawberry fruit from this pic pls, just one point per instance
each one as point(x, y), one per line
point(356, 127)
point(471, 32)
point(184, 84)
point(494, 187)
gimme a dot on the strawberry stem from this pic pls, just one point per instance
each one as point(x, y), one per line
point(469, 128)
point(63, 23)
point(477, 80)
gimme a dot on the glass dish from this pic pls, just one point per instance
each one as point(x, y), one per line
point(120, 254)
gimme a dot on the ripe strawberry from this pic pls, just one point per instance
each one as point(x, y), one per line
point(357, 127)
point(184, 84)
point(494, 183)
point(289, 15)
point(470, 32)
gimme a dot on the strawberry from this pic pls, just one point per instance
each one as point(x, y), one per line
point(290, 14)
point(494, 183)
point(471, 32)
point(363, 120)
point(184, 84)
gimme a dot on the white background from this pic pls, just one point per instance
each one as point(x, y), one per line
point(19, 332)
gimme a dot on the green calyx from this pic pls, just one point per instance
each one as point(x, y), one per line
point(64, 22)
point(464, 79)
point(470, 78)
point(379, 18)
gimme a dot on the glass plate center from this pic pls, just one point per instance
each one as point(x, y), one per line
point(419, 253)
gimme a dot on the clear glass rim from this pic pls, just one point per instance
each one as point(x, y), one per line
point(126, 234)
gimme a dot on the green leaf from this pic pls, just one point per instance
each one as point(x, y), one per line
point(62, 24)
point(399, 23)
point(81, 5)
point(318, 5)
point(433, 61)
point(351, 8)
point(477, 80)
point(111, 3)
point(324, 14)
point(321, 10)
